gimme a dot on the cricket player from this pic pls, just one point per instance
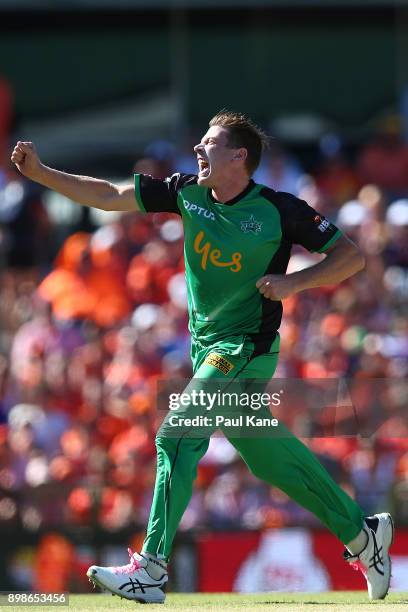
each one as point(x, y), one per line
point(238, 237)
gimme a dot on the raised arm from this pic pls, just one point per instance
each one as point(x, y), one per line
point(84, 190)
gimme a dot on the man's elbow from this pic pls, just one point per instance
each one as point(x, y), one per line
point(359, 260)
point(352, 253)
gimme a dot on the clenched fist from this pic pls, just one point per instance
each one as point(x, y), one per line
point(277, 286)
point(26, 159)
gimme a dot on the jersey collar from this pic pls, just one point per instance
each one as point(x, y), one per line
point(237, 198)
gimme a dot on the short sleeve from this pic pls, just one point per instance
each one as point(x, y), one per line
point(302, 224)
point(156, 195)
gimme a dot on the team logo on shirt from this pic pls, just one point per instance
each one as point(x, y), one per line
point(252, 225)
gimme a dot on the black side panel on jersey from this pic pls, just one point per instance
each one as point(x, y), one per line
point(271, 310)
point(161, 196)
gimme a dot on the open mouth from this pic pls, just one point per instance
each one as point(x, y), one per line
point(204, 167)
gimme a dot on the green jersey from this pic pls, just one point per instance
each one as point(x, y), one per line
point(229, 246)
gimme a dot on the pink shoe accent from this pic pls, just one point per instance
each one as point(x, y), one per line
point(358, 566)
point(130, 567)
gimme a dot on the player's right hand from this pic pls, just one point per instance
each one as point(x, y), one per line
point(26, 159)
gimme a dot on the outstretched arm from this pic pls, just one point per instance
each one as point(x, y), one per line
point(85, 190)
point(343, 259)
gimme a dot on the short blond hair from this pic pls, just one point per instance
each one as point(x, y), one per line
point(243, 132)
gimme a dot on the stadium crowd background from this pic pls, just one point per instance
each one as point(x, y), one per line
point(91, 321)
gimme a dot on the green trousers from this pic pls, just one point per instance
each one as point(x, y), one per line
point(278, 458)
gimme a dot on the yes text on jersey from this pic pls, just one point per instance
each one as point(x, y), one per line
point(213, 255)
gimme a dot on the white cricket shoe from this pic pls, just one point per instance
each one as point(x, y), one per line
point(131, 581)
point(374, 561)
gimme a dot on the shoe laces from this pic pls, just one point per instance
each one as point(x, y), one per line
point(131, 567)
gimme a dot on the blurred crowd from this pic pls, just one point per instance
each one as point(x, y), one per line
point(86, 336)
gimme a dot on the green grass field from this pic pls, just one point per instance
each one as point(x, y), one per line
point(282, 602)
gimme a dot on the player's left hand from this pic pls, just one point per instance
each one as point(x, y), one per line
point(276, 286)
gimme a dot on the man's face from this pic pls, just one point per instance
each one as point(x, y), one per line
point(216, 160)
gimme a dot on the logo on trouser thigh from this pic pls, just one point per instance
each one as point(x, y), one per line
point(219, 362)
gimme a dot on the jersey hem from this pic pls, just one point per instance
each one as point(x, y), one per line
point(138, 196)
point(330, 242)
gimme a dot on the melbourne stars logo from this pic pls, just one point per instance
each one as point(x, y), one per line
point(252, 225)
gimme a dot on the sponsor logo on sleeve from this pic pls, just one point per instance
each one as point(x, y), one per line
point(324, 224)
